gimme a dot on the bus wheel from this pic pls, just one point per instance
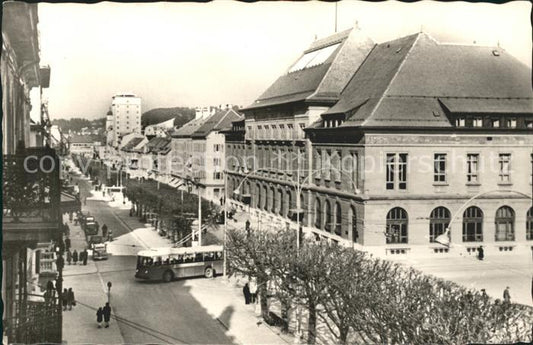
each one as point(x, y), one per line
point(209, 272)
point(167, 276)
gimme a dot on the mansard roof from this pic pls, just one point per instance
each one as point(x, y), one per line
point(415, 81)
point(321, 72)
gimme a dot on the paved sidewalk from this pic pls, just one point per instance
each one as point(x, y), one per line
point(79, 324)
point(223, 300)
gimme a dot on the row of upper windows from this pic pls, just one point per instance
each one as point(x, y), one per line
point(278, 131)
point(396, 169)
point(493, 122)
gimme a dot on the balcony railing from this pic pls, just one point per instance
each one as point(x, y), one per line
point(37, 321)
point(31, 190)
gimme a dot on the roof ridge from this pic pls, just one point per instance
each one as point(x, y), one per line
point(392, 79)
point(341, 48)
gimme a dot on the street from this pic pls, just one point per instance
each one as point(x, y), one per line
point(146, 312)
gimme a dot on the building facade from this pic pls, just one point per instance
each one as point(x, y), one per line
point(424, 137)
point(208, 161)
point(31, 191)
point(126, 110)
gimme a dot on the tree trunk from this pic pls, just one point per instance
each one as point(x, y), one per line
point(263, 299)
point(343, 335)
point(285, 307)
point(311, 324)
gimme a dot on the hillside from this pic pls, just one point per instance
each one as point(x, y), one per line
point(76, 124)
point(181, 114)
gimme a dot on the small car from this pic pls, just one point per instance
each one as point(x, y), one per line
point(100, 251)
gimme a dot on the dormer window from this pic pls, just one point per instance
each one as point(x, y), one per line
point(510, 123)
point(460, 122)
point(477, 122)
point(495, 123)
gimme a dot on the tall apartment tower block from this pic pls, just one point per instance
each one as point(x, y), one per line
point(126, 110)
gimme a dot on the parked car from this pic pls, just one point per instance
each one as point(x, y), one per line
point(94, 240)
point(100, 251)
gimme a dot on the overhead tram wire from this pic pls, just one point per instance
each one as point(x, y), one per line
point(143, 329)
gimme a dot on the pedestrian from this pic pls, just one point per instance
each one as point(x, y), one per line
point(253, 291)
point(107, 314)
point(104, 231)
point(99, 317)
point(221, 201)
point(506, 295)
point(246, 292)
point(49, 286)
point(484, 294)
point(480, 253)
point(85, 201)
point(69, 257)
point(64, 299)
point(70, 217)
point(110, 235)
point(75, 257)
point(80, 257)
point(85, 255)
point(67, 244)
point(71, 301)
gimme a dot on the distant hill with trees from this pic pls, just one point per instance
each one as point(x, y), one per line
point(181, 115)
point(76, 123)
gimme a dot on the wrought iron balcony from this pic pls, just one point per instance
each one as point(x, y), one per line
point(31, 195)
point(37, 320)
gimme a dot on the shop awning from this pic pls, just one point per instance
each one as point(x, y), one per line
point(69, 203)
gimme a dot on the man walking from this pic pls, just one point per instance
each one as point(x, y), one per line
point(104, 231)
point(67, 244)
point(253, 291)
point(69, 257)
point(99, 317)
point(75, 257)
point(506, 295)
point(64, 299)
point(107, 314)
point(85, 255)
point(246, 293)
point(480, 253)
point(70, 299)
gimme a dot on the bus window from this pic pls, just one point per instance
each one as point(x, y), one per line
point(144, 261)
point(198, 257)
point(157, 261)
point(179, 259)
point(188, 258)
point(218, 255)
point(209, 256)
point(167, 261)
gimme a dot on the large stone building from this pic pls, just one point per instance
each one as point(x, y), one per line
point(419, 137)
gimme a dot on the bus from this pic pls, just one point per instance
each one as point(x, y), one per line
point(167, 264)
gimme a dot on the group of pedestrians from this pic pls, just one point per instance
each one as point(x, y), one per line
point(74, 257)
point(250, 292)
point(103, 314)
point(67, 299)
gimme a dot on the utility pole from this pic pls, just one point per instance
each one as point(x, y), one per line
point(225, 222)
point(336, 2)
point(199, 215)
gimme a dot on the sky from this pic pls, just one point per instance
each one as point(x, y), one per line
point(192, 54)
